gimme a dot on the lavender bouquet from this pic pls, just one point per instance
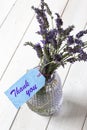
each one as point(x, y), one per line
point(57, 46)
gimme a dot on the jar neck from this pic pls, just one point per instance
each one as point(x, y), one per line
point(51, 78)
point(48, 78)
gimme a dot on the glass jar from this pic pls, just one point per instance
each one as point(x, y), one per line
point(49, 99)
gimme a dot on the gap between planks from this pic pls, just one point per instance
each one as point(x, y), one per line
point(14, 118)
point(84, 122)
point(17, 47)
point(8, 14)
point(19, 41)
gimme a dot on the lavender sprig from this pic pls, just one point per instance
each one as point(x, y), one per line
point(57, 46)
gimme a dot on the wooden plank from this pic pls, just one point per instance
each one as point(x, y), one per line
point(28, 120)
point(70, 117)
point(6, 109)
point(75, 15)
point(23, 59)
point(13, 30)
point(85, 125)
point(5, 8)
point(74, 106)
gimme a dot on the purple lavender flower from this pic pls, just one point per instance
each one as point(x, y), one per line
point(70, 40)
point(82, 56)
point(42, 4)
point(43, 30)
point(59, 21)
point(71, 60)
point(43, 41)
point(42, 20)
point(51, 37)
point(81, 33)
point(68, 30)
point(79, 42)
point(58, 46)
point(38, 49)
point(58, 57)
point(77, 49)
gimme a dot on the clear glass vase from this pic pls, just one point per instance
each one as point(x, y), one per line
point(49, 99)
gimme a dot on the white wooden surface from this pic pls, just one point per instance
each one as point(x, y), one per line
point(18, 25)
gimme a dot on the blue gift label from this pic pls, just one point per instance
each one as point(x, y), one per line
point(25, 87)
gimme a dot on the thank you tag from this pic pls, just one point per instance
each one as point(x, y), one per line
point(25, 87)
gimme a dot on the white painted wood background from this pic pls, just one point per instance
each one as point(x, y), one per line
point(18, 25)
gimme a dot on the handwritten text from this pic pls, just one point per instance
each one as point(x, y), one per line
point(17, 90)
